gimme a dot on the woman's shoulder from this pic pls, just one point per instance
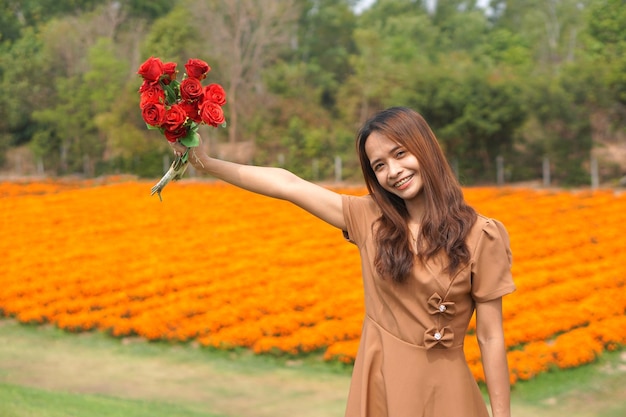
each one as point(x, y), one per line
point(364, 203)
point(485, 223)
point(489, 227)
point(359, 213)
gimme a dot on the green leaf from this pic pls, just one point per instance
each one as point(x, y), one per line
point(192, 139)
point(170, 94)
point(171, 91)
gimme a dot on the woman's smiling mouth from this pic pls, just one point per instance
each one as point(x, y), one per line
point(403, 181)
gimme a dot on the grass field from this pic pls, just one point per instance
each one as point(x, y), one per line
point(46, 372)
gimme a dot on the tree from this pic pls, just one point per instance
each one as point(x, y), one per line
point(436, 62)
point(561, 128)
point(81, 98)
point(149, 9)
point(552, 27)
point(474, 111)
point(18, 14)
point(82, 77)
point(302, 121)
point(26, 86)
point(243, 38)
point(394, 39)
point(606, 23)
point(171, 42)
point(325, 43)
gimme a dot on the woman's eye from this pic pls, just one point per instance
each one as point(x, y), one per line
point(377, 167)
point(400, 154)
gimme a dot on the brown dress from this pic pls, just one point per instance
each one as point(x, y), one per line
point(410, 361)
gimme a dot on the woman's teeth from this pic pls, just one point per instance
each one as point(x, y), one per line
point(403, 181)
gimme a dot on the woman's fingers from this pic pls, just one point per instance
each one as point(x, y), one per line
point(178, 148)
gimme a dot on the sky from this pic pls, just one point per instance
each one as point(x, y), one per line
point(364, 4)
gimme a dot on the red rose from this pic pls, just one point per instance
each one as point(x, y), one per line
point(153, 114)
point(175, 117)
point(151, 70)
point(146, 85)
point(192, 110)
point(196, 68)
point(215, 93)
point(153, 94)
point(174, 135)
point(191, 89)
point(211, 113)
point(169, 69)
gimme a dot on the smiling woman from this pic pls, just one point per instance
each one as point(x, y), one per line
point(420, 294)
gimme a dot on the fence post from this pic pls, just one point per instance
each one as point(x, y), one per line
point(546, 171)
point(87, 165)
point(595, 177)
point(315, 169)
point(338, 168)
point(500, 169)
point(455, 167)
point(166, 163)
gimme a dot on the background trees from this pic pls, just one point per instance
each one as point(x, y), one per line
point(520, 81)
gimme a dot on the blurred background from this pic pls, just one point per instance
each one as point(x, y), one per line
point(529, 93)
point(515, 91)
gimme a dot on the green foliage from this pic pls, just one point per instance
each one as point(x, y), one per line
point(169, 40)
point(522, 81)
point(150, 9)
point(607, 20)
point(474, 113)
point(16, 15)
point(23, 86)
point(70, 122)
point(325, 36)
point(561, 107)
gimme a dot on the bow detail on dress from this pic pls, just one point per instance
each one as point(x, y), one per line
point(436, 305)
point(434, 337)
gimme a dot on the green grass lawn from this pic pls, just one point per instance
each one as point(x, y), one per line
point(595, 390)
point(19, 401)
point(45, 372)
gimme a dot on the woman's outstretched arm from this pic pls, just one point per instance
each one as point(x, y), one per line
point(490, 336)
point(271, 182)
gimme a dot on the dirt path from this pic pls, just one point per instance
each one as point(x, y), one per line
point(47, 358)
point(91, 363)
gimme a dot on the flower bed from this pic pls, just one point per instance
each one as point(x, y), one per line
point(226, 268)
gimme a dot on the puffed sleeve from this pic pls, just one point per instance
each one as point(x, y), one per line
point(491, 263)
point(359, 213)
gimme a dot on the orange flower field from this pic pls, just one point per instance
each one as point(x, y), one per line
point(225, 268)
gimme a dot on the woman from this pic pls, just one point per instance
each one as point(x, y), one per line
point(428, 260)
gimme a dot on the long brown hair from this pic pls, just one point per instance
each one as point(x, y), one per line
point(447, 218)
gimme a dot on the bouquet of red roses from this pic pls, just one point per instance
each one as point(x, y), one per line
point(177, 108)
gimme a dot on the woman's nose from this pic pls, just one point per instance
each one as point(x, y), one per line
point(394, 169)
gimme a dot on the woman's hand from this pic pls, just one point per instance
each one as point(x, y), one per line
point(175, 172)
point(178, 148)
point(196, 155)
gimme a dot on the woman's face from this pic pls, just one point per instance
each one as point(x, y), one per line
point(397, 170)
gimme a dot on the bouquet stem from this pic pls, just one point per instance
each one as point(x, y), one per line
point(175, 172)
